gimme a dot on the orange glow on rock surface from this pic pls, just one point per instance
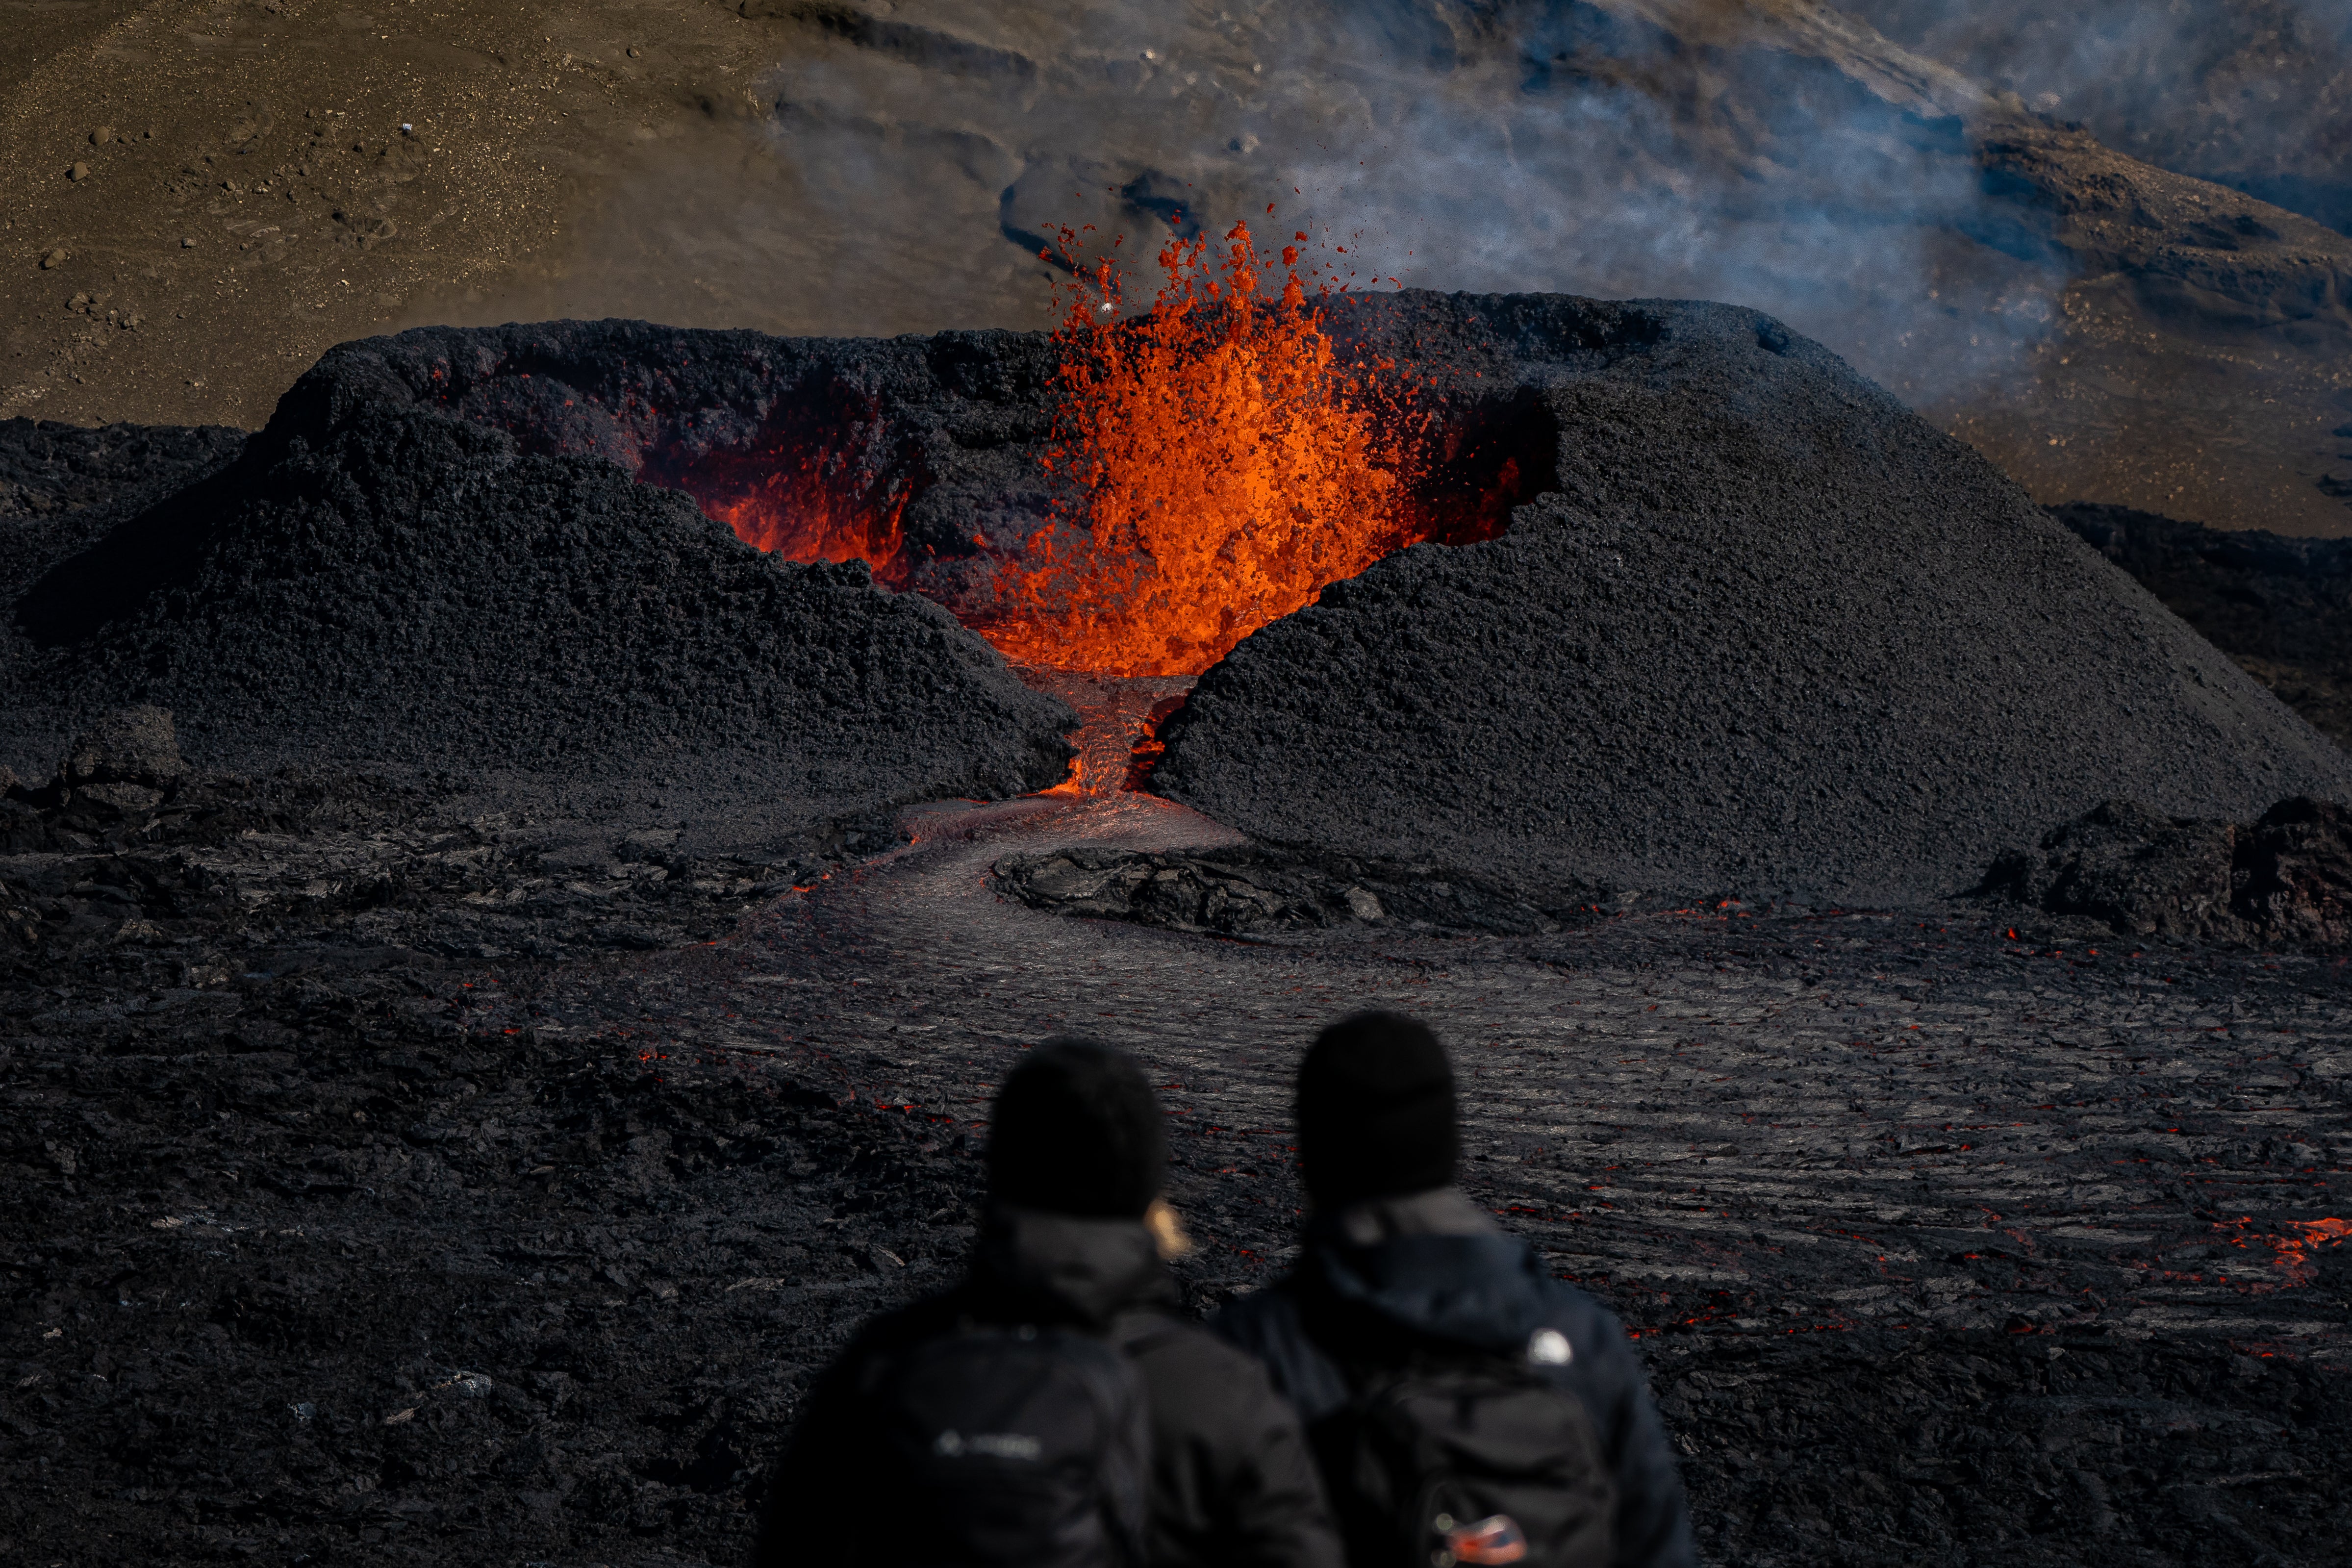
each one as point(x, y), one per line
point(809, 494)
point(803, 522)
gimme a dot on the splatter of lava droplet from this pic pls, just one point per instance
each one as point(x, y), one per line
point(1222, 465)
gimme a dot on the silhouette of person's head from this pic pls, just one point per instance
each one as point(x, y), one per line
point(1077, 1131)
point(1376, 1111)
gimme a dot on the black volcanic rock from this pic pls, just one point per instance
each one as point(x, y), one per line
point(2131, 867)
point(1767, 632)
point(48, 468)
point(2284, 879)
point(123, 767)
point(61, 486)
point(381, 582)
point(1772, 632)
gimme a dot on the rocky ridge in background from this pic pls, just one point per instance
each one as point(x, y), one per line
point(2253, 94)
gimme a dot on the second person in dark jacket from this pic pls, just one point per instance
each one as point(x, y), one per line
point(1400, 1268)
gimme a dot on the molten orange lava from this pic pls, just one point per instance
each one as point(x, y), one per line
point(789, 512)
point(1218, 462)
point(2294, 1251)
point(809, 489)
point(1226, 468)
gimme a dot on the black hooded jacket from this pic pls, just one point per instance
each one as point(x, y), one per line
point(1435, 1265)
point(1232, 1480)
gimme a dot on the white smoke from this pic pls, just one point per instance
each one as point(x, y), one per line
point(1547, 148)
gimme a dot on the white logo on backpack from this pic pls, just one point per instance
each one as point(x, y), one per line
point(952, 1445)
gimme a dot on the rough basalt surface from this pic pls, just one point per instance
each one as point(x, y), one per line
point(379, 582)
point(2284, 879)
point(62, 488)
point(1249, 889)
point(340, 1240)
point(1771, 633)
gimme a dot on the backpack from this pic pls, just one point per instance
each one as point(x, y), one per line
point(1451, 1456)
point(1019, 1445)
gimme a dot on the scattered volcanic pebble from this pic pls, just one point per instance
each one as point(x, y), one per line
point(78, 171)
point(376, 582)
point(1771, 635)
point(55, 258)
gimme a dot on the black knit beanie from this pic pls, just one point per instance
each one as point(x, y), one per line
point(1376, 1111)
point(1077, 1131)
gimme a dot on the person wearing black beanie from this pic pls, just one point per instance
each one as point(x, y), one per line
point(1066, 1320)
point(1077, 1130)
point(1400, 1272)
point(1376, 1111)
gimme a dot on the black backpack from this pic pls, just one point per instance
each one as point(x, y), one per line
point(1025, 1446)
point(1445, 1456)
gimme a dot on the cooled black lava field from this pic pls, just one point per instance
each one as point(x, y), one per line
point(463, 1082)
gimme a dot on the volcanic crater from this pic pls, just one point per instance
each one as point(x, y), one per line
point(598, 857)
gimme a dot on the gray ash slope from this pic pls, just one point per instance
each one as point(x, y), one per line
point(379, 582)
point(2282, 607)
point(1770, 634)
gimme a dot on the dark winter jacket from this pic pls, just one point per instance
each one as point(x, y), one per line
point(1232, 1480)
point(1437, 1265)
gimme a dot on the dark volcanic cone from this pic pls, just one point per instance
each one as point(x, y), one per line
point(1759, 629)
point(379, 582)
point(1771, 632)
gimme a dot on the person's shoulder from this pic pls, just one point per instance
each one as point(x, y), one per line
point(1160, 1338)
point(1566, 1305)
point(1196, 1379)
point(1596, 1336)
point(924, 1317)
point(1257, 1320)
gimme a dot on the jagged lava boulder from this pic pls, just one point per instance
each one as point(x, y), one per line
point(381, 582)
point(1771, 633)
point(2284, 879)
